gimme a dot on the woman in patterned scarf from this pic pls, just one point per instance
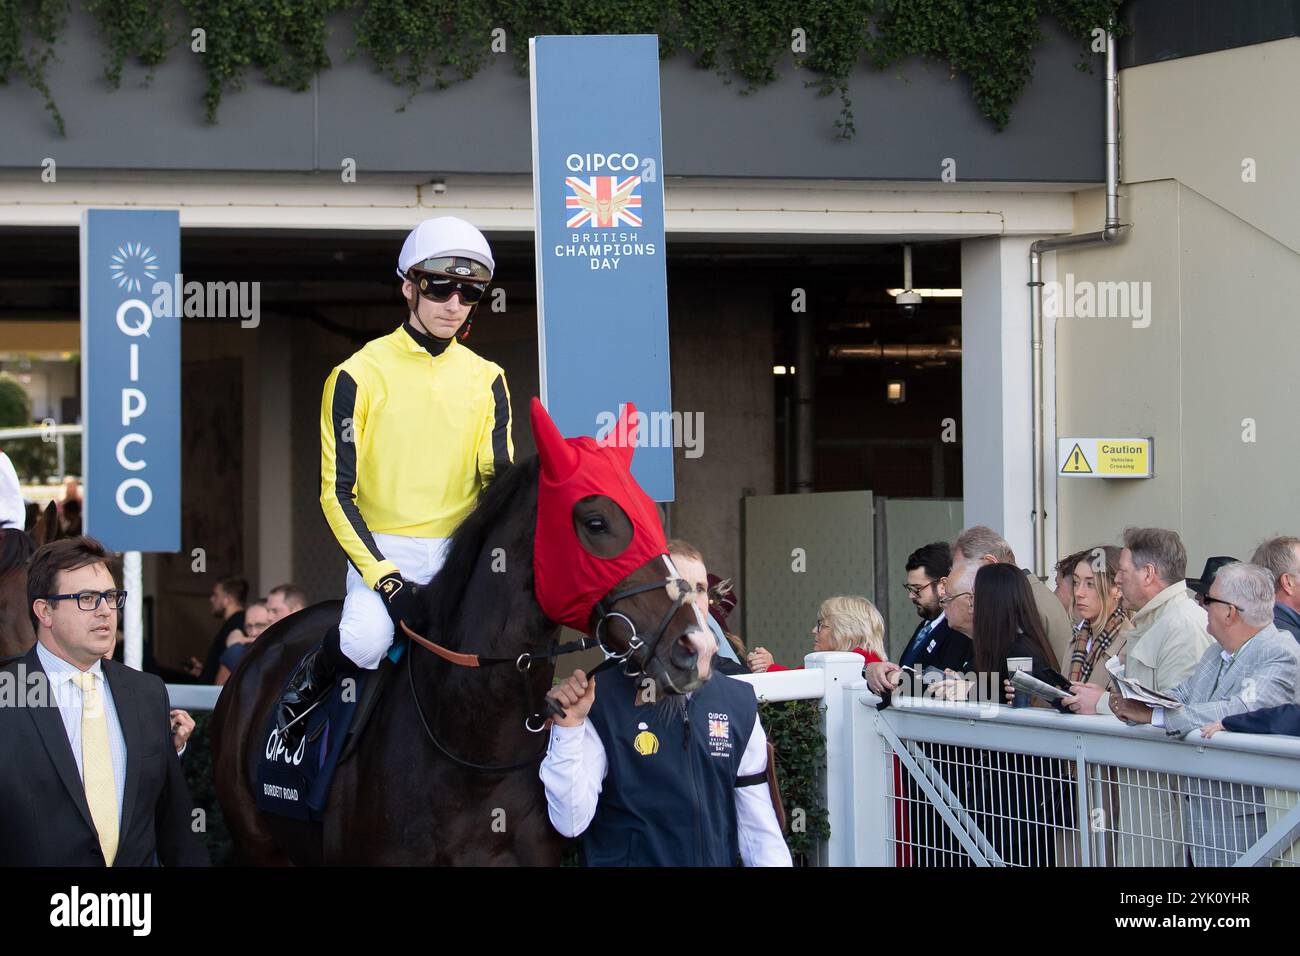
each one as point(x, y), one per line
point(1103, 622)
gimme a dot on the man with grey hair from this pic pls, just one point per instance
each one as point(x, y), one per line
point(1161, 651)
point(983, 545)
point(1253, 665)
point(1282, 558)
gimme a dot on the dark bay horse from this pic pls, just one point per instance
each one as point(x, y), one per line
point(16, 549)
point(404, 795)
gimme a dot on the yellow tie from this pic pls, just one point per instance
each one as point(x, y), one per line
point(97, 766)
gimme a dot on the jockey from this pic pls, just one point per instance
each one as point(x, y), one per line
point(413, 426)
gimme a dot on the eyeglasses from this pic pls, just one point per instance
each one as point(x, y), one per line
point(820, 625)
point(1207, 601)
point(916, 589)
point(89, 600)
point(439, 288)
point(945, 601)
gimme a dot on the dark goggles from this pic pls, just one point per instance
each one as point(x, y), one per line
point(440, 288)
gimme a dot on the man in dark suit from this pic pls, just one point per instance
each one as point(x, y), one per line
point(88, 772)
point(933, 644)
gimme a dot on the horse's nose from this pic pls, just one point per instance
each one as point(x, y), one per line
point(694, 649)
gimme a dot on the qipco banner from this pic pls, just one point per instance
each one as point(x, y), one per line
point(130, 379)
point(602, 300)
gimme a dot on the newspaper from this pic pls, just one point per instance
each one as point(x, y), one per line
point(1131, 690)
point(1023, 680)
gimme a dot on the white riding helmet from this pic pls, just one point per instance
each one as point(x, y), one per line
point(443, 238)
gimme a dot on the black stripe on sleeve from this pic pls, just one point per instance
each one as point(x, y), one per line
point(345, 460)
point(501, 426)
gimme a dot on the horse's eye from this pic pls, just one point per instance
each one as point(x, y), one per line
point(595, 524)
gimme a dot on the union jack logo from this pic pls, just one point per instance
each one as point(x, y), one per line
point(603, 202)
point(720, 727)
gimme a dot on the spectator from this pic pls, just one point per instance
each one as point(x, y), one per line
point(1161, 651)
point(934, 645)
point(91, 780)
point(926, 567)
point(1282, 557)
point(227, 602)
point(690, 565)
point(257, 618)
point(984, 544)
point(1103, 620)
point(1201, 586)
point(1018, 811)
point(1004, 624)
point(285, 599)
point(722, 601)
point(846, 623)
point(1253, 665)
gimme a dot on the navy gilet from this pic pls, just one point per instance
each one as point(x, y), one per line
point(668, 797)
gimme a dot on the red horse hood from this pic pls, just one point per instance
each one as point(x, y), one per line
point(568, 579)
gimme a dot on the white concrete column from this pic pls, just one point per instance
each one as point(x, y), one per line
point(997, 414)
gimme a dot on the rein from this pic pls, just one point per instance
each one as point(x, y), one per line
point(638, 653)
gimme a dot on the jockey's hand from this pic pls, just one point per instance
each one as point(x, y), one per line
point(401, 598)
point(575, 694)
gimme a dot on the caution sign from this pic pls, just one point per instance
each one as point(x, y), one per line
point(1104, 457)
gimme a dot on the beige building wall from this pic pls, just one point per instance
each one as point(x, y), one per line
point(1213, 377)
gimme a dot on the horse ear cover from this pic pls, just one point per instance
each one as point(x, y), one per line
point(568, 579)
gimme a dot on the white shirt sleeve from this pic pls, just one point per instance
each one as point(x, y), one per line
point(571, 773)
point(1157, 716)
point(13, 513)
point(759, 835)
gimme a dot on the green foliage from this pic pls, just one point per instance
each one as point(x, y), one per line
point(15, 406)
point(135, 29)
point(284, 39)
point(41, 21)
point(198, 774)
point(794, 730)
point(990, 42)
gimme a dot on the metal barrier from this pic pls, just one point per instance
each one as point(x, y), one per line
point(933, 783)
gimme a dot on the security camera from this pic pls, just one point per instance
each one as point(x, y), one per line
point(908, 302)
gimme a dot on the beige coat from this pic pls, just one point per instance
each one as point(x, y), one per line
point(1166, 642)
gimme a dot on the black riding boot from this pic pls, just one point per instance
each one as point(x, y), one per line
point(308, 684)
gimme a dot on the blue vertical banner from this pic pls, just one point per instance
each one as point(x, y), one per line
point(602, 292)
point(131, 378)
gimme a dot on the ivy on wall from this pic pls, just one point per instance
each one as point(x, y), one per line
point(418, 45)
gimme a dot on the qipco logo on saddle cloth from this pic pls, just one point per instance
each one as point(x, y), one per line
point(276, 750)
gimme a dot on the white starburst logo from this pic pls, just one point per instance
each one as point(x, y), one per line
point(132, 265)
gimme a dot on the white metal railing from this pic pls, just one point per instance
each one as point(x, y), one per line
point(989, 785)
point(932, 783)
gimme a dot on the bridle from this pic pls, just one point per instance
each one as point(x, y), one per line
point(638, 654)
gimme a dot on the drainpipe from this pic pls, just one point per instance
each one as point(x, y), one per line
point(1112, 232)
